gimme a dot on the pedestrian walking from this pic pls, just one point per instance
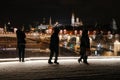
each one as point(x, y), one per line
point(54, 46)
point(84, 47)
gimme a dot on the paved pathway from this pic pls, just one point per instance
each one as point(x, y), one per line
point(68, 69)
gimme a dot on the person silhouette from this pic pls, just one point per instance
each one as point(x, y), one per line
point(21, 43)
point(54, 46)
point(84, 46)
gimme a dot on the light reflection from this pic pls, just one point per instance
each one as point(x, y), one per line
point(16, 60)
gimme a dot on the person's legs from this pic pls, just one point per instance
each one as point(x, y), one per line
point(85, 59)
point(23, 54)
point(19, 54)
point(80, 59)
point(51, 55)
point(56, 56)
point(82, 52)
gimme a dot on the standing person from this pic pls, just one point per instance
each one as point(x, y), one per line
point(84, 47)
point(21, 43)
point(54, 46)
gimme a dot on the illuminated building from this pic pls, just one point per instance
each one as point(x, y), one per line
point(75, 22)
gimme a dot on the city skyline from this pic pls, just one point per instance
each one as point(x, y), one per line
point(27, 11)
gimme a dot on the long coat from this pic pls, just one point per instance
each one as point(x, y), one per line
point(54, 41)
point(84, 44)
point(20, 37)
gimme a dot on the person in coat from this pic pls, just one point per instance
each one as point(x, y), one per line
point(84, 47)
point(21, 43)
point(54, 46)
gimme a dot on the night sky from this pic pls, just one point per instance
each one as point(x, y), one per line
point(90, 11)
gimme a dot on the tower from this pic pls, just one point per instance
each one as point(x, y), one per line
point(77, 20)
point(50, 21)
point(114, 25)
point(73, 19)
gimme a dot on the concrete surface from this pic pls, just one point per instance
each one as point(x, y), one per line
point(102, 68)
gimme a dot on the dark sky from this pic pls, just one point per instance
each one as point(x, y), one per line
point(26, 11)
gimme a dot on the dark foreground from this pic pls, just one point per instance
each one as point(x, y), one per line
point(68, 69)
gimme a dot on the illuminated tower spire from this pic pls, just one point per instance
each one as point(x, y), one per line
point(50, 21)
point(77, 20)
point(114, 25)
point(73, 19)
